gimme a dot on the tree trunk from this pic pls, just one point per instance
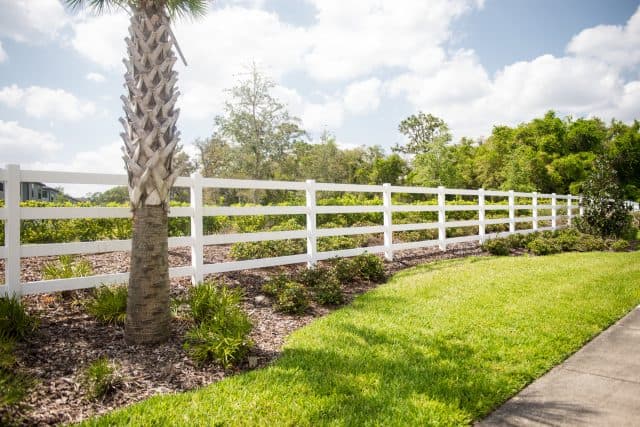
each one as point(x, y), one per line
point(150, 140)
point(148, 314)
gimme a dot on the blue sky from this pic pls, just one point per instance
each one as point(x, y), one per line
point(353, 68)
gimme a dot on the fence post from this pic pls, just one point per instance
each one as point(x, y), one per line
point(312, 249)
point(197, 233)
point(481, 215)
point(442, 218)
point(12, 230)
point(569, 216)
point(554, 212)
point(512, 212)
point(581, 209)
point(534, 210)
point(387, 221)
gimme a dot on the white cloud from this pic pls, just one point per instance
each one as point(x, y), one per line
point(351, 39)
point(3, 54)
point(326, 115)
point(31, 21)
point(101, 38)
point(613, 44)
point(103, 159)
point(42, 102)
point(363, 96)
point(95, 77)
point(22, 145)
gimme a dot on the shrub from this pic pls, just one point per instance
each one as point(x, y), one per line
point(275, 284)
point(15, 322)
point(568, 239)
point(66, 268)
point(605, 212)
point(544, 246)
point(620, 245)
point(345, 270)
point(498, 247)
point(588, 243)
point(222, 328)
point(212, 301)
point(516, 241)
point(370, 267)
point(329, 291)
point(292, 298)
point(101, 378)
point(228, 345)
point(108, 304)
point(324, 285)
point(266, 249)
point(14, 384)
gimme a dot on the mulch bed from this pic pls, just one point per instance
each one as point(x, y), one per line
point(68, 339)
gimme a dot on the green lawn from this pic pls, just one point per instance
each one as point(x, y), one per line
point(440, 344)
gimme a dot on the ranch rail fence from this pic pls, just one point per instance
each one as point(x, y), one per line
point(562, 210)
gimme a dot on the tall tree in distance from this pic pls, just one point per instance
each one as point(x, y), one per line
point(150, 141)
point(423, 132)
point(259, 125)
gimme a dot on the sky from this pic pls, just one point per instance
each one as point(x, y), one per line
point(354, 68)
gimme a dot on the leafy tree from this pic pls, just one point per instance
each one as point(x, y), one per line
point(112, 195)
point(605, 212)
point(623, 149)
point(423, 131)
point(391, 169)
point(150, 143)
point(259, 125)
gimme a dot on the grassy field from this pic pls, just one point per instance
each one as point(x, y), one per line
point(441, 344)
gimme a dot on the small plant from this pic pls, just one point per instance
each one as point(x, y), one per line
point(345, 270)
point(275, 284)
point(544, 246)
point(620, 245)
point(108, 304)
point(209, 341)
point(329, 291)
point(324, 284)
point(496, 247)
point(370, 267)
point(292, 298)
point(222, 329)
point(589, 243)
point(67, 267)
point(15, 322)
point(101, 378)
point(568, 239)
point(212, 301)
point(14, 385)
point(516, 241)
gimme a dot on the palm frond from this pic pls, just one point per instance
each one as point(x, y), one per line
point(175, 8)
point(187, 8)
point(96, 6)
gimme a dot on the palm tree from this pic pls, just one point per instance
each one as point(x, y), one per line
point(150, 139)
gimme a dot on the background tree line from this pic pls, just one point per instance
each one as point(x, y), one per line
point(257, 138)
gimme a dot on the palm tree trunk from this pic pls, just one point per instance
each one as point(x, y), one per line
point(150, 139)
point(148, 314)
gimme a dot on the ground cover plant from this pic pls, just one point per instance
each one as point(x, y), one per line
point(108, 304)
point(15, 325)
point(221, 331)
point(441, 344)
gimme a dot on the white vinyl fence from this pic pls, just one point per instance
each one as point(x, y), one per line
point(562, 209)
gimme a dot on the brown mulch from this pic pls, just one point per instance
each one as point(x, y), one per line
point(68, 339)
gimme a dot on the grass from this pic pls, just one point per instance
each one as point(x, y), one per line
point(441, 344)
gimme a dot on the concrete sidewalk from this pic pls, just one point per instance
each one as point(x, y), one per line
point(597, 386)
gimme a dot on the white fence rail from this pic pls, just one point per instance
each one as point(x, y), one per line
point(12, 214)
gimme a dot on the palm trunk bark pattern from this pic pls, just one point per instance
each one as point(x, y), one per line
point(150, 140)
